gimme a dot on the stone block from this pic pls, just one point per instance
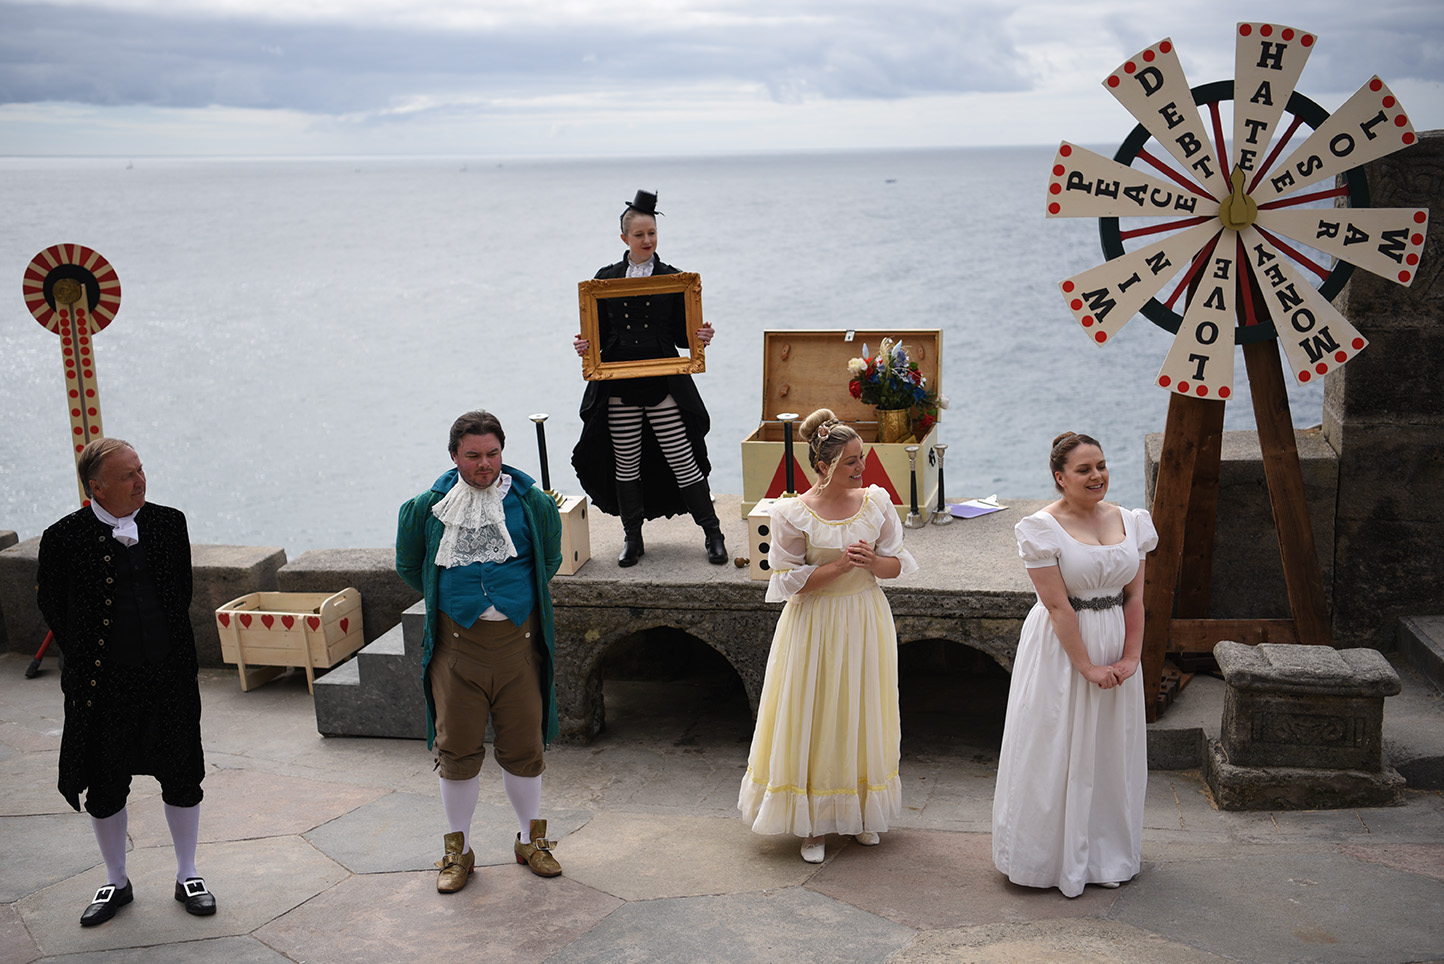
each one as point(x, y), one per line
point(220, 574)
point(384, 595)
point(24, 629)
point(8, 538)
point(1387, 380)
point(1297, 788)
point(1247, 573)
point(1302, 728)
point(1304, 706)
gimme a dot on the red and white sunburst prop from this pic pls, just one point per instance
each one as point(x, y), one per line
point(74, 292)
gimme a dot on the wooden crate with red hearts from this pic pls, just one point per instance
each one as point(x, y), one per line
point(313, 630)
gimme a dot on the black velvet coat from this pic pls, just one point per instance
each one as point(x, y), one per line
point(593, 458)
point(78, 560)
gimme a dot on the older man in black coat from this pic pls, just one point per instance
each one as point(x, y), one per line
point(114, 585)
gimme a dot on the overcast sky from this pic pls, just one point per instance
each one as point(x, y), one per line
point(570, 77)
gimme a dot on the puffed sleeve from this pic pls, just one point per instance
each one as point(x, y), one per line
point(1038, 542)
point(787, 555)
point(1143, 532)
point(890, 537)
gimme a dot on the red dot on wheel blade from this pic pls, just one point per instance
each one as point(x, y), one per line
point(1376, 85)
point(1408, 137)
point(1245, 29)
point(1358, 344)
point(1066, 150)
point(1054, 208)
point(1113, 81)
point(1164, 380)
point(1165, 47)
point(1076, 304)
point(1201, 390)
point(1307, 40)
point(1304, 375)
point(1413, 259)
point(1055, 188)
point(1288, 34)
point(1404, 277)
point(1101, 337)
point(1067, 286)
point(1321, 368)
point(1224, 392)
point(1183, 387)
point(1388, 102)
point(1420, 217)
point(1087, 321)
point(1341, 357)
point(1059, 169)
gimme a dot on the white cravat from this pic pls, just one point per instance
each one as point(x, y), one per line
point(122, 529)
point(475, 524)
point(643, 270)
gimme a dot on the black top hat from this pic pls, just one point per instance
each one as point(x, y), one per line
point(645, 202)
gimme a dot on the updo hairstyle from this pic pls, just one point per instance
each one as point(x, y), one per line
point(1063, 446)
point(826, 437)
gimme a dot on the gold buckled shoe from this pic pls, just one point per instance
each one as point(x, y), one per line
point(455, 866)
point(538, 854)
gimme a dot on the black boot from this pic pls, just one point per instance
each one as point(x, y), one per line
point(629, 507)
point(699, 502)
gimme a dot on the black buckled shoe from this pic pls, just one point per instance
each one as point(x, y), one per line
point(108, 900)
point(194, 895)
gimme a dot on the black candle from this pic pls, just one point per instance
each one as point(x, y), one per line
point(541, 445)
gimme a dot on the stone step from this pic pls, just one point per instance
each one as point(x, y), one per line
point(1421, 641)
point(378, 693)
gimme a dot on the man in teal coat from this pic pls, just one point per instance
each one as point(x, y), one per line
point(481, 546)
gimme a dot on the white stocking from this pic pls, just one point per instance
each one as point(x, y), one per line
point(110, 834)
point(185, 830)
point(458, 799)
point(525, 796)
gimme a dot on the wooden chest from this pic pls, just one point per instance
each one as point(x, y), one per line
point(315, 630)
point(806, 369)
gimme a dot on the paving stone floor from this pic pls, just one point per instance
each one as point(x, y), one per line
point(321, 850)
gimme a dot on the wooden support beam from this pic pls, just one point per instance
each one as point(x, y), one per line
point(1302, 574)
point(1201, 635)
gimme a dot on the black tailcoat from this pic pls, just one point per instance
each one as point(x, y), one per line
point(658, 327)
point(75, 592)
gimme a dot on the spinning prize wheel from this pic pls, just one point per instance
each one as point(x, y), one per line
point(1227, 243)
point(74, 292)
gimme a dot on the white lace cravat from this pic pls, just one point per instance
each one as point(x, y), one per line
point(122, 529)
point(475, 524)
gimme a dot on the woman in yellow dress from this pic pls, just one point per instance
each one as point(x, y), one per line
point(824, 755)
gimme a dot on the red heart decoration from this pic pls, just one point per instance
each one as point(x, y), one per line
point(344, 624)
point(288, 621)
point(314, 622)
point(246, 620)
point(224, 619)
point(269, 620)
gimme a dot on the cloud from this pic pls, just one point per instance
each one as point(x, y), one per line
point(135, 55)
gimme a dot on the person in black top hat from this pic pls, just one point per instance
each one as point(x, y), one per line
point(642, 452)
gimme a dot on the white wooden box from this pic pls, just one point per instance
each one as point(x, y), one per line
point(315, 630)
point(576, 534)
point(806, 369)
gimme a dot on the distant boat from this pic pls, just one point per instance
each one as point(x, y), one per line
point(891, 180)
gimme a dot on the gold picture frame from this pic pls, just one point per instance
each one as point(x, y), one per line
point(685, 283)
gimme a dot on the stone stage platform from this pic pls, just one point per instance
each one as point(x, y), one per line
point(321, 850)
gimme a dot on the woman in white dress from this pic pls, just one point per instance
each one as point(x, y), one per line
point(824, 756)
point(1068, 809)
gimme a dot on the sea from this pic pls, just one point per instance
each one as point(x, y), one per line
point(295, 336)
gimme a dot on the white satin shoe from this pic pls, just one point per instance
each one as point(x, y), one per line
point(867, 838)
point(813, 849)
